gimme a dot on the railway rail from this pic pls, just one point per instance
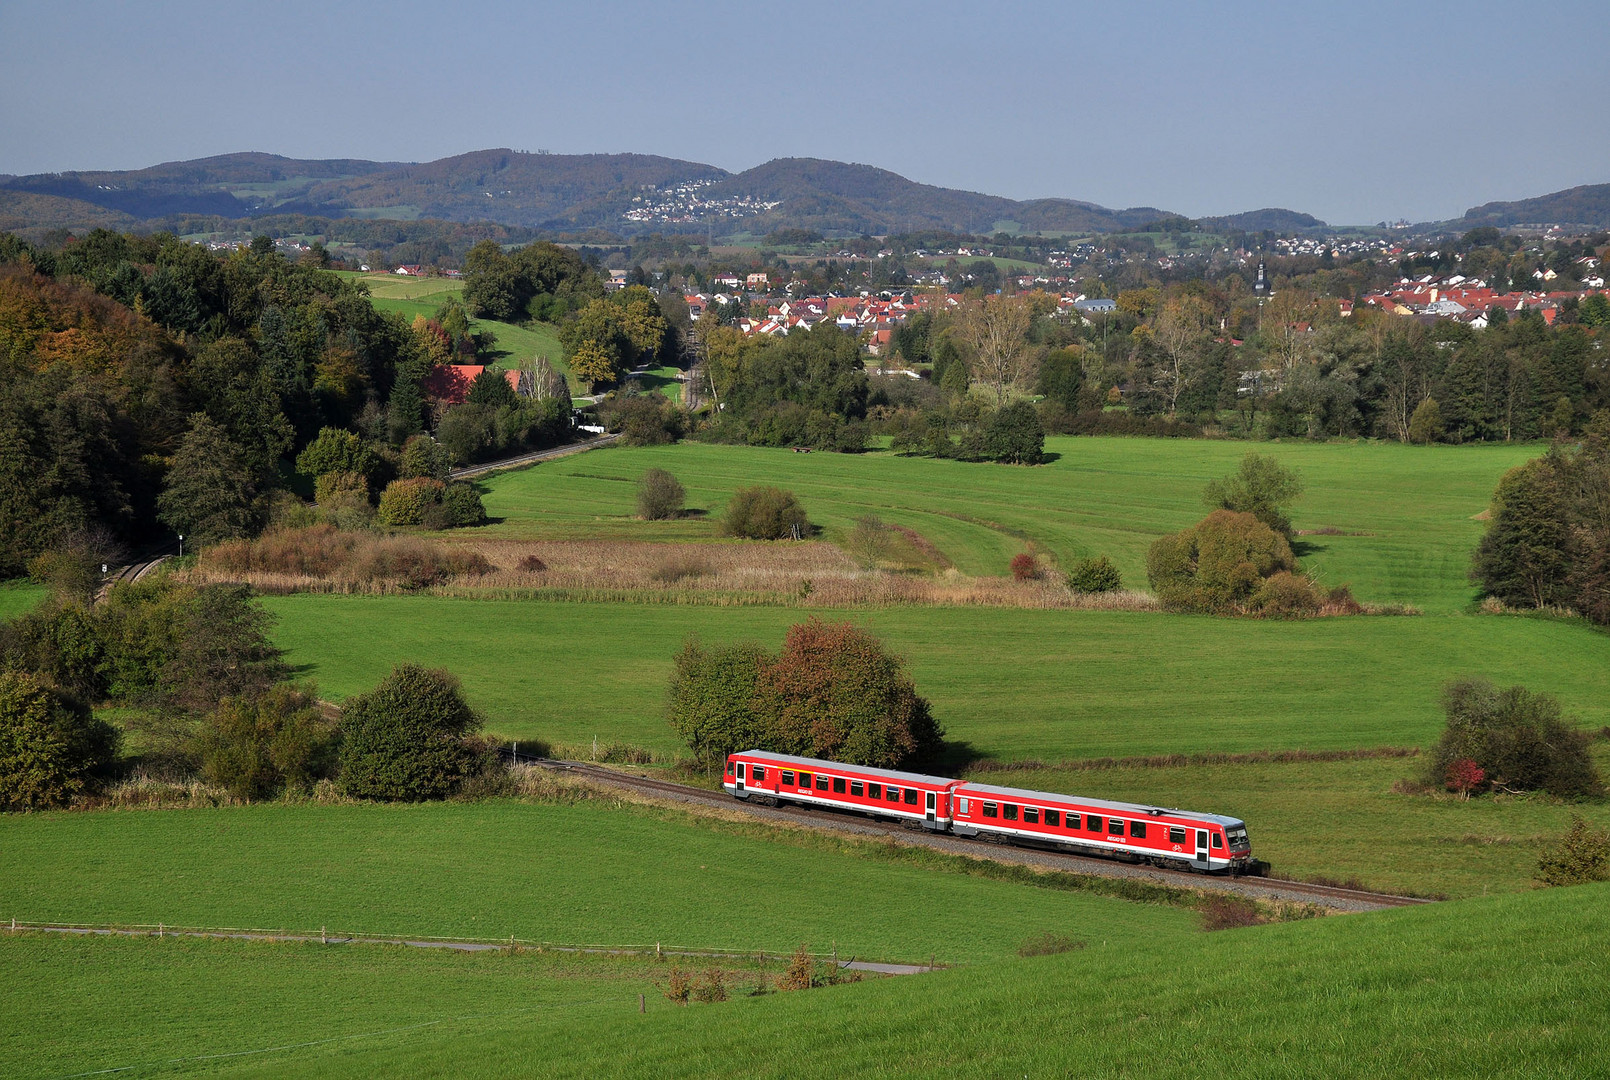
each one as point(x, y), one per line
point(1261, 888)
point(532, 458)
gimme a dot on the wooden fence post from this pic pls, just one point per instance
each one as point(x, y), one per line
point(642, 1003)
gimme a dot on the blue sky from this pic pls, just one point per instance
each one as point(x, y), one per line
point(1354, 112)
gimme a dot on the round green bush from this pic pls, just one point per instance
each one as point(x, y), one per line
point(405, 502)
point(407, 739)
point(51, 747)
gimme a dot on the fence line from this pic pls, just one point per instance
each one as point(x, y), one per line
point(326, 936)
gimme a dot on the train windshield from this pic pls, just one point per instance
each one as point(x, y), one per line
point(1237, 836)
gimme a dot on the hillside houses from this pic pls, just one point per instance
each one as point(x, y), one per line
point(1467, 301)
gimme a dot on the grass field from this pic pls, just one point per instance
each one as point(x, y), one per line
point(17, 597)
point(1011, 683)
point(589, 873)
point(1411, 510)
point(1498, 987)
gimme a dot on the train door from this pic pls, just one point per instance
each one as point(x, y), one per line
point(739, 772)
point(928, 811)
point(1201, 843)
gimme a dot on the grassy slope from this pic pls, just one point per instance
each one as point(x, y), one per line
point(586, 873)
point(1501, 987)
point(1048, 684)
point(1101, 496)
point(17, 597)
point(76, 1005)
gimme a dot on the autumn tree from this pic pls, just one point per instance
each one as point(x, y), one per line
point(996, 327)
point(1181, 335)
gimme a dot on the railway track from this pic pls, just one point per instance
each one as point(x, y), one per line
point(529, 459)
point(1339, 898)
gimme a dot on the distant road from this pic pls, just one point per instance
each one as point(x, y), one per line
point(527, 459)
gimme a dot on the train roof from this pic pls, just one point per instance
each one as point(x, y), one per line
point(839, 766)
point(1138, 809)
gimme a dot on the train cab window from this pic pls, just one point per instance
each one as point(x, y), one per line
point(821, 783)
point(856, 788)
point(1031, 815)
point(989, 809)
point(1176, 834)
point(894, 793)
point(1053, 817)
point(1218, 841)
point(759, 773)
point(838, 785)
point(1115, 827)
point(1009, 811)
point(911, 796)
point(1137, 829)
point(1092, 822)
point(874, 791)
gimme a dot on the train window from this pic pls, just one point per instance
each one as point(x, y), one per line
point(804, 779)
point(874, 791)
point(894, 793)
point(1073, 821)
point(961, 806)
point(855, 787)
point(1031, 816)
point(1218, 841)
point(821, 783)
point(1115, 827)
point(759, 773)
point(1053, 817)
point(1137, 829)
point(989, 809)
point(838, 785)
point(1009, 811)
point(788, 778)
point(1176, 835)
point(911, 796)
point(1093, 823)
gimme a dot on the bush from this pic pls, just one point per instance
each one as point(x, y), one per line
point(51, 747)
point(1024, 567)
point(765, 513)
point(713, 704)
point(644, 419)
point(339, 450)
point(835, 692)
point(462, 506)
point(340, 487)
point(1222, 912)
point(423, 456)
point(406, 502)
point(1286, 595)
point(1097, 575)
point(1014, 436)
point(1218, 564)
point(869, 541)
point(1425, 426)
point(256, 747)
point(1519, 739)
point(1260, 487)
point(410, 563)
point(407, 738)
point(659, 495)
point(1581, 856)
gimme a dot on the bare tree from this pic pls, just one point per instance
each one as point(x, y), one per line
point(541, 380)
point(997, 328)
point(1181, 332)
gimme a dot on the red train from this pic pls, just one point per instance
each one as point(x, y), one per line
point(1179, 839)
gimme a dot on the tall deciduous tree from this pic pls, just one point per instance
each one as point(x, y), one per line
point(997, 329)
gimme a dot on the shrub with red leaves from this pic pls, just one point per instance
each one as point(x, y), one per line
point(1024, 567)
point(1465, 776)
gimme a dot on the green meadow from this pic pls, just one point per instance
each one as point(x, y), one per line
point(588, 873)
point(1406, 515)
point(1498, 987)
point(1009, 683)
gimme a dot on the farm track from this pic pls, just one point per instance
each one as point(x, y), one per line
point(533, 458)
point(1335, 897)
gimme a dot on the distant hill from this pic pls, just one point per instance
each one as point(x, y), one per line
point(622, 193)
point(1587, 205)
point(1270, 219)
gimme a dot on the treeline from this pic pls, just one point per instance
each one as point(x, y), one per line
point(153, 387)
